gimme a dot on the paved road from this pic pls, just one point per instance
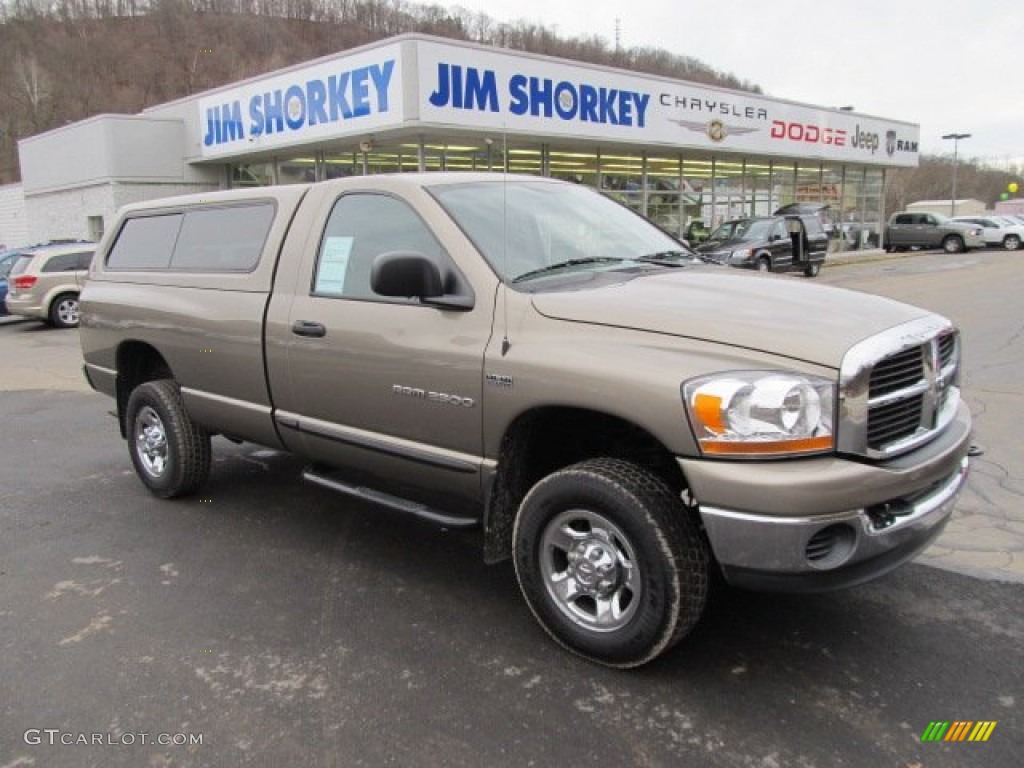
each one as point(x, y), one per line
point(980, 292)
point(287, 626)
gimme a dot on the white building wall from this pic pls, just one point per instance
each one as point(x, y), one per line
point(13, 216)
point(65, 214)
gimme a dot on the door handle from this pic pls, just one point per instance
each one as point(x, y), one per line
point(309, 328)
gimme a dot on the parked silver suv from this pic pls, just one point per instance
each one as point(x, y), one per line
point(45, 282)
point(931, 230)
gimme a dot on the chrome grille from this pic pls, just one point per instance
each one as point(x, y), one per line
point(898, 372)
point(899, 389)
point(947, 349)
point(893, 421)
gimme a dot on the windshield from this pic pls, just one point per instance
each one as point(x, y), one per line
point(525, 227)
point(743, 229)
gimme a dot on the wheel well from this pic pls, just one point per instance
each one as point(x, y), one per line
point(137, 363)
point(545, 440)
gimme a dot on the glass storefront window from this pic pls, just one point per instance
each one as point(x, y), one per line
point(808, 184)
point(783, 183)
point(339, 165)
point(758, 188)
point(252, 174)
point(686, 196)
point(622, 179)
point(296, 170)
point(664, 195)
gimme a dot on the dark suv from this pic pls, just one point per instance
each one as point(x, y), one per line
point(781, 243)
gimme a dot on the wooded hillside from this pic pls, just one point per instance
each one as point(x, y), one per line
point(67, 60)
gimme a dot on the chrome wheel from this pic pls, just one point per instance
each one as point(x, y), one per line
point(170, 452)
point(590, 570)
point(609, 561)
point(953, 245)
point(63, 312)
point(151, 442)
point(67, 311)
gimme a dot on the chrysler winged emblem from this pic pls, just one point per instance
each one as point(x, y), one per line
point(715, 130)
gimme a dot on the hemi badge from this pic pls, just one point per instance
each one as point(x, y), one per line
point(498, 380)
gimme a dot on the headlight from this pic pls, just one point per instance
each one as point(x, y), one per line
point(761, 413)
point(740, 256)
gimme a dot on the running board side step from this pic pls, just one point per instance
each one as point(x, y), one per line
point(321, 477)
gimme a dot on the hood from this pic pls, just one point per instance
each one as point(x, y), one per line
point(784, 316)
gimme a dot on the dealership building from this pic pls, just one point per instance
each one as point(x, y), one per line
point(676, 151)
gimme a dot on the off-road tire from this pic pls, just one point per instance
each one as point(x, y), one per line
point(170, 452)
point(653, 527)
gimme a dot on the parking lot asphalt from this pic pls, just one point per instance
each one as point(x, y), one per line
point(278, 624)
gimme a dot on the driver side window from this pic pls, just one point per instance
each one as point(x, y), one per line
point(360, 228)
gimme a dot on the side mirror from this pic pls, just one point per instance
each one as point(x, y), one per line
point(407, 275)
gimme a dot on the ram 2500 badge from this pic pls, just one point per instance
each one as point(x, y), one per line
point(530, 358)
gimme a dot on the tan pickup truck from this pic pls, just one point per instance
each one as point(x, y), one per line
point(528, 357)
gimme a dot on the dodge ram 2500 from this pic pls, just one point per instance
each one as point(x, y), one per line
point(530, 358)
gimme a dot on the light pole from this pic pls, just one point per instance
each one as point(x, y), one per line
point(956, 140)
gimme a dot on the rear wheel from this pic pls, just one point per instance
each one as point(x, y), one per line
point(1011, 242)
point(64, 311)
point(170, 452)
point(953, 244)
point(812, 270)
point(610, 562)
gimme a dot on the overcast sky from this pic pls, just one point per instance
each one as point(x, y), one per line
point(952, 66)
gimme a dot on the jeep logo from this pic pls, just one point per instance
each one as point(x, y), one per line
point(864, 140)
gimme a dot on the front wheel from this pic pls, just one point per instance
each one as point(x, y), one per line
point(812, 270)
point(953, 244)
point(764, 264)
point(170, 452)
point(610, 561)
point(64, 311)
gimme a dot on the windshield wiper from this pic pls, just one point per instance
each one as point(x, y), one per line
point(567, 263)
point(672, 258)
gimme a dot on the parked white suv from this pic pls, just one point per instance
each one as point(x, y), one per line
point(997, 231)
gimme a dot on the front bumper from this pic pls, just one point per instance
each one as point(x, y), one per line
point(827, 523)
